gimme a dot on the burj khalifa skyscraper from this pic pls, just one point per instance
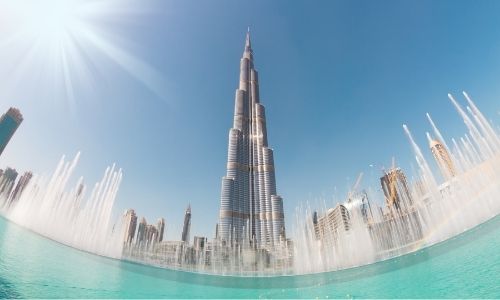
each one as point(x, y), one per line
point(250, 208)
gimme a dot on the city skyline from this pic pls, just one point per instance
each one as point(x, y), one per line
point(330, 106)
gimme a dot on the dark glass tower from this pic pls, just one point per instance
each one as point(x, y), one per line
point(250, 208)
point(9, 122)
point(187, 225)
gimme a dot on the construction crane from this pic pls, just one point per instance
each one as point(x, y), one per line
point(354, 188)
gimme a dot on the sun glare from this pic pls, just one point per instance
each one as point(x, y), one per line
point(46, 21)
point(58, 39)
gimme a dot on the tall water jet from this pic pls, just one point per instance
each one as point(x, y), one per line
point(68, 215)
point(431, 210)
point(415, 214)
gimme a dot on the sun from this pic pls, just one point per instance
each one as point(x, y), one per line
point(49, 24)
point(49, 21)
point(63, 40)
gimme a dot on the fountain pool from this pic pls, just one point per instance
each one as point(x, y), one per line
point(464, 266)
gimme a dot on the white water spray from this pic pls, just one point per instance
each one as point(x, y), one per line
point(417, 214)
point(433, 213)
point(69, 216)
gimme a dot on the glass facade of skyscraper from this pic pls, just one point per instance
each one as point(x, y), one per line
point(9, 122)
point(250, 208)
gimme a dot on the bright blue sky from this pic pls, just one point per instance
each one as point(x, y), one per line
point(338, 79)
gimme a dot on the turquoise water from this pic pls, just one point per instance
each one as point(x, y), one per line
point(465, 266)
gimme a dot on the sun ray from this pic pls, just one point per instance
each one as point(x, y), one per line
point(56, 44)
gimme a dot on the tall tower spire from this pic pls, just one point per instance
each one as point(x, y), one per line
point(248, 43)
point(250, 207)
point(248, 53)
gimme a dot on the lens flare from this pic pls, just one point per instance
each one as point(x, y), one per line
point(58, 46)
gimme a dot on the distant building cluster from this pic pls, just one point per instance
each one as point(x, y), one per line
point(145, 242)
point(10, 189)
point(142, 233)
point(397, 223)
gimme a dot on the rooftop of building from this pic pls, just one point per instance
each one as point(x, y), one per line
point(16, 114)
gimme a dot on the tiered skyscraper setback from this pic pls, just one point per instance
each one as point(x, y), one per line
point(250, 208)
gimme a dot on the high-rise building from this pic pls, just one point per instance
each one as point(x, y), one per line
point(160, 226)
point(151, 234)
point(328, 227)
point(396, 191)
point(250, 207)
point(21, 185)
point(7, 181)
point(130, 223)
point(187, 225)
point(443, 159)
point(141, 231)
point(9, 122)
point(199, 243)
point(360, 200)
